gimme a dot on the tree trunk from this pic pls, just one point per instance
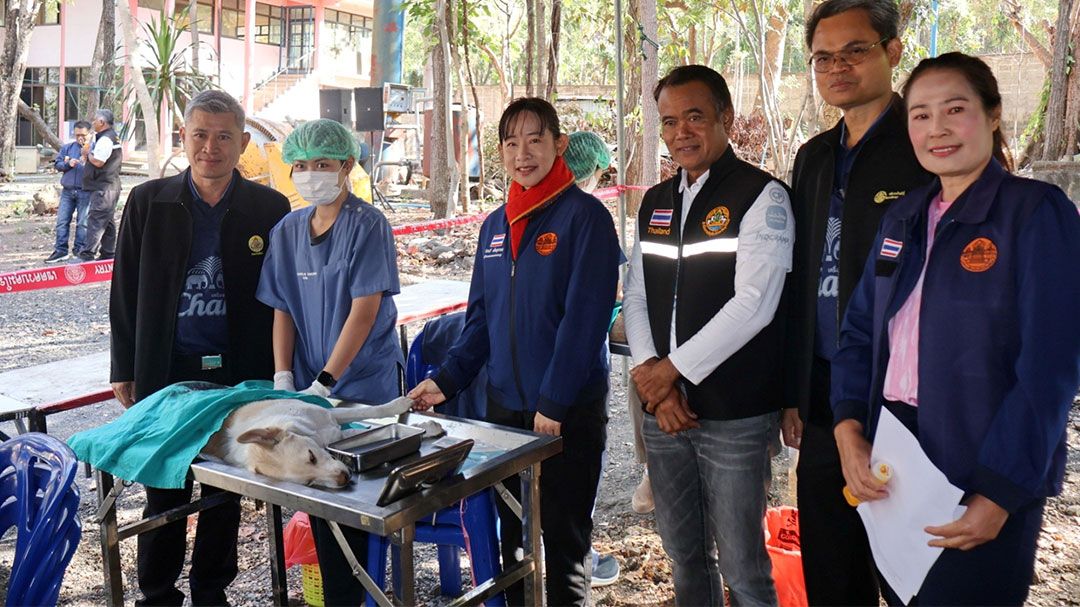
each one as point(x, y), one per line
point(105, 56)
point(442, 153)
point(541, 48)
point(459, 23)
point(1072, 100)
point(650, 116)
point(1013, 13)
point(692, 44)
point(530, 47)
point(19, 19)
point(503, 73)
point(193, 28)
point(553, 56)
point(476, 105)
point(632, 122)
point(42, 128)
point(1055, 129)
point(146, 103)
point(775, 42)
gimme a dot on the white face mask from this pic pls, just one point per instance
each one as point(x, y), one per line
point(318, 187)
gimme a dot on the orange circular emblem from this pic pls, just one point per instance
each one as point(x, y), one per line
point(546, 243)
point(979, 255)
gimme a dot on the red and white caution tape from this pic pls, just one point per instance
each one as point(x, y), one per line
point(57, 276)
point(438, 224)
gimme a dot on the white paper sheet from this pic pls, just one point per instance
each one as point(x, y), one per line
point(919, 496)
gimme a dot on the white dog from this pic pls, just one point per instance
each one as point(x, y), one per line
point(287, 439)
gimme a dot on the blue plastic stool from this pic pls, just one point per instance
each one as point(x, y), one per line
point(449, 529)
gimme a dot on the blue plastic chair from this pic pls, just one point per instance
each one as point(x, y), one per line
point(38, 497)
point(472, 525)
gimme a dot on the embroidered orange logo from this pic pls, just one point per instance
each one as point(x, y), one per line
point(716, 221)
point(546, 243)
point(979, 255)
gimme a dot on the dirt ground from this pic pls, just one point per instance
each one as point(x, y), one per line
point(43, 326)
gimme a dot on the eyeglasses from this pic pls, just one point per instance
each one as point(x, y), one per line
point(823, 62)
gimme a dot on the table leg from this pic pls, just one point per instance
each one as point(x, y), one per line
point(405, 539)
point(110, 542)
point(358, 572)
point(279, 582)
point(530, 505)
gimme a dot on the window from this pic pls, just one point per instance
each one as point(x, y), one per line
point(269, 24)
point(41, 91)
point(157, 5)
point(79, 86)
point(204, 15)
point(232, 18)
point(48, 14)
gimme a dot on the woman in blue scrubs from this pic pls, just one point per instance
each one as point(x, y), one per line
point(330, 275)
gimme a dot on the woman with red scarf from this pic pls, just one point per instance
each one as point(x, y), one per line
point(543, 285)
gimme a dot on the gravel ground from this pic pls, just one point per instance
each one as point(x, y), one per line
point(43, 326)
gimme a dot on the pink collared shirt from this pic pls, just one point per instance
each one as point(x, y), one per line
point(902, 374)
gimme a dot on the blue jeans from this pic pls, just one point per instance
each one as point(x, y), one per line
point(72, 203)
point(709, 487)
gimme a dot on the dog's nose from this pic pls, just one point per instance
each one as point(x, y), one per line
point(343, 478)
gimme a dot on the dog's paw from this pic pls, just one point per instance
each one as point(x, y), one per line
point(431, 428)
point(399, 405)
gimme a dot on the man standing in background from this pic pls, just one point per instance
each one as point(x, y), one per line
point(101, 179)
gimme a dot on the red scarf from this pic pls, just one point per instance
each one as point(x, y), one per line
point(521, 203)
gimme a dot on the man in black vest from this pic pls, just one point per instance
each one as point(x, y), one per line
point(183, 308)
point(101, 178)
point(713, 249)
point(844, 180)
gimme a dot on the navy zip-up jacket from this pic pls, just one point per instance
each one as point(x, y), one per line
point(72, 176)
point(540, 324)
point(999, 333)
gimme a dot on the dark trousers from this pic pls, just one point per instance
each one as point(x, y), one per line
point(837, 563)
point(340, 586)
point(568, 483)
point(161, 551)
point(998, 572)
point(101, 223)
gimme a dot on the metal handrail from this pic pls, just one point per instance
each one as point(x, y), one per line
point(289, 68)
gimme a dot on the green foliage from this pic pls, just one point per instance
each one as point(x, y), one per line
point(168, 73)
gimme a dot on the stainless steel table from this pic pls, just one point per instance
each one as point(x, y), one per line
point(499, 453)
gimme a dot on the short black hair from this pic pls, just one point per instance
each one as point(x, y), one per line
point(544, 112)
point(884, 16)
point(82, 124)
point(686, 74)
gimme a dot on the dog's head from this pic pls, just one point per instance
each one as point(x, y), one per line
point(289, 456)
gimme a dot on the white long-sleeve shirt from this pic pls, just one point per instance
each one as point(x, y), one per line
point(763, 258)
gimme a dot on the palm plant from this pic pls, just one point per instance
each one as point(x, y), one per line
point(169, 75)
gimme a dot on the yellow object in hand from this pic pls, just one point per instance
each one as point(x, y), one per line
point(881, 471)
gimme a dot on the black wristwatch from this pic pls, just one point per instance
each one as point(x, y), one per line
point(326, 379)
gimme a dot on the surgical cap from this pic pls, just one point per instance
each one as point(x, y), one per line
point(586, 153)
point(319, 139)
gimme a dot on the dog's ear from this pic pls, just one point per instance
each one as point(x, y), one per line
point(267, 437)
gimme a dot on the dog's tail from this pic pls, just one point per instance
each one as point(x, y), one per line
point(346, 414)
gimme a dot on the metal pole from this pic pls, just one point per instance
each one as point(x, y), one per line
point(934, 29)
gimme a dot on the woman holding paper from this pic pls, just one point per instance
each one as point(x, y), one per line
point(964, 326)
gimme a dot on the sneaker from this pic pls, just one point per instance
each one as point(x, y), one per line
point(81, 258)
point(605, 571)
point(104, 257)
point(642, 501)
point(56, 257)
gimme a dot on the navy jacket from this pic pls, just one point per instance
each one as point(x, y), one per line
point(540, 324)
point(999, 333)
point(72, 176)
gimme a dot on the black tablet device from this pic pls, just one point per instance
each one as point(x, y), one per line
point(428, 470)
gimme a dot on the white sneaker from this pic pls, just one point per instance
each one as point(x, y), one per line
point(642, 501)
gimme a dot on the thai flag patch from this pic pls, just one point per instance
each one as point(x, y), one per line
point(891, 248)
point(497, 241)
point(661, 218)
